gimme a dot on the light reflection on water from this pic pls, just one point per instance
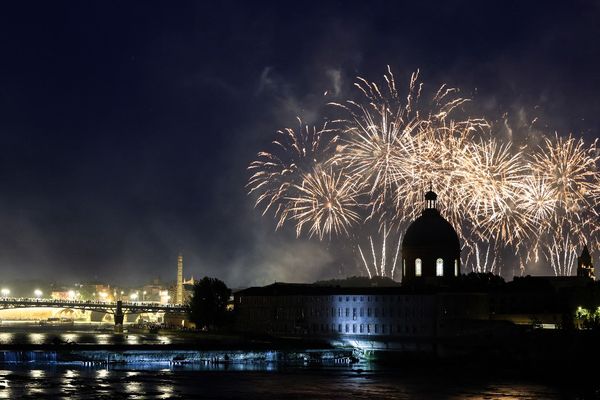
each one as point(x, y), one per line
point(266, 380)
point(37, 338)
point(70, 337)
point(79, 334)
point(311, 383)
point(103, 338)
point(102, 373)
point(37, 373)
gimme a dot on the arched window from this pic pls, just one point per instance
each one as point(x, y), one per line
point(418, 267)
point(455, 267)
point(439, 267)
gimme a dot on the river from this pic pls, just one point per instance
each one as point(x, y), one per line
point(33, 334)
point(266, 380)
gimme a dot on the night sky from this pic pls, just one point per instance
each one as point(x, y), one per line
point(126, 127)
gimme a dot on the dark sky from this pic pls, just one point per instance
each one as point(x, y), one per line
point(126, 127)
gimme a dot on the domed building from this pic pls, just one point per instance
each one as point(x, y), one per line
point(430, 248)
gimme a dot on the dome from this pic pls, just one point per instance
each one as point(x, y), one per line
point(430, 248)
point(431, 230)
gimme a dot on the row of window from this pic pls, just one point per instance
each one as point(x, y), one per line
point(354, 313)
point(439, 267)
point(366, 328)
point(376, 298)
point(370, 312)
point(270, 300)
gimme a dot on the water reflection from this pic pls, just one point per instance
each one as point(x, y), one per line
point(35, 385)
point(132, 339)
point(5, 389)
point(70, 337)
point(37, 373)
point(103, 338)
point(71, 373)
point(37, 338)
point(102, 374)
point(79, 334)
point(164, 391)
point(162, 339)
point(313, 383)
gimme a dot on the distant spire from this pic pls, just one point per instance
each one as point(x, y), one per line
point(179, 291)
point(585, 254)
point(585, 268)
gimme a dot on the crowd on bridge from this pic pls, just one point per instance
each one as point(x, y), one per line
point(43, 301)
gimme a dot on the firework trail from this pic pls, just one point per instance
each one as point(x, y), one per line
point(381, 266)
point(387, 149)
point(277, 173)
point(488, 186)
point(325, 201)
point(567, 210)
point(482, 260)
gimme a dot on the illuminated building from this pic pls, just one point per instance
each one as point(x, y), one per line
point(65, 294)
point(368, 317)
point(151, 291)
point(165, 297)
point(436, 309)
point(410, 317)
point(430, 248)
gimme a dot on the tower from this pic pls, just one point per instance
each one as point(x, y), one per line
point(179, 295)
point(585, 268)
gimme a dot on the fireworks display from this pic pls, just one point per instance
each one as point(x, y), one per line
point(374, 164)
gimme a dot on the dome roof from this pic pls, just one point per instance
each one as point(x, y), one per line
point(431, 230)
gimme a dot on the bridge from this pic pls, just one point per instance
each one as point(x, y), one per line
point(118, 308)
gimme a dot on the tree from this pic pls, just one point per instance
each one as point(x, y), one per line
point(208, 305)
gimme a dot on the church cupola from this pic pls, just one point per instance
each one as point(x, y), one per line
point(430, 200)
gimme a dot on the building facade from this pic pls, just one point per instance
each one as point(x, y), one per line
point(371, 317)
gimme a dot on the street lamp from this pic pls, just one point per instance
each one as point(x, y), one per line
point(71, 294)
point(5, 292)
point(37, 293)
point(103, 295)
point(144, 295)
point(133, 296)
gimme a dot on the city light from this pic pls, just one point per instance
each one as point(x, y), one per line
point(103, 295)
point(133, 296)
point(38, 293)
point(5, 292)
point(71, 294)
